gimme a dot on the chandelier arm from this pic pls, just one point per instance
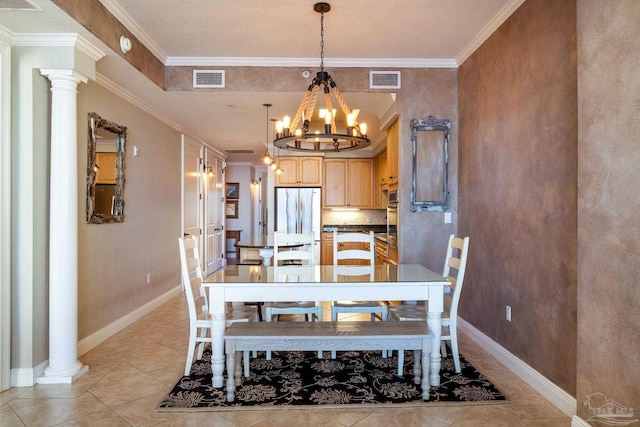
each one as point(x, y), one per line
point(301, 108)
point(343, 105)
point(327, 101)
point(346, 108)
point(312, 103)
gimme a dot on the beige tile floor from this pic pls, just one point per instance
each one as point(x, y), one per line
point(131, 372)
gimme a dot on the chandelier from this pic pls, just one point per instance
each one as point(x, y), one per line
point(268, 159)
point(291, 137)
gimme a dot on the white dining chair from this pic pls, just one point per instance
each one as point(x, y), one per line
point(199, 320)
point(353, 255)
point(294, 264)
point(454, 271)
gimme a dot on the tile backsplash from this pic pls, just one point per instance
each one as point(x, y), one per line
point(364, 216)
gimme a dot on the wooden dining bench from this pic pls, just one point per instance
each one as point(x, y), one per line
point(340, 336)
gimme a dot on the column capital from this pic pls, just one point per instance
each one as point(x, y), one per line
point(64, 74)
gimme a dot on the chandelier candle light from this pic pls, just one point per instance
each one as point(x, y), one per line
point(290, 137)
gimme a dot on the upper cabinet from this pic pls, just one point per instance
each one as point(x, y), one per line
point(380, 181)
point(392, 154)
point(300, 172)
point(348, 183)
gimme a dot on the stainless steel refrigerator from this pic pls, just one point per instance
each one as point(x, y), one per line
point(299, 210)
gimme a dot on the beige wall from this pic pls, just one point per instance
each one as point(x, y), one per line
point(518, 186)
point(609, 202)
point(115, 258)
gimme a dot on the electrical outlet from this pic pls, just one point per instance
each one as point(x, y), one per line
point(148, 278)
point(508, 313)
point(447, 217)
point(369, 220)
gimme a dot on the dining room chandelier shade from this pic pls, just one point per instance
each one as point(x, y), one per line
point(267, 158)
point(291, 137)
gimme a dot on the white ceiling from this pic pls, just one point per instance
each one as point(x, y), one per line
point(398, 33)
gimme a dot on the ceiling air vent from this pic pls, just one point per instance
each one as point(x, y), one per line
point(240, 151)
point(384, 79)
point(208, 79)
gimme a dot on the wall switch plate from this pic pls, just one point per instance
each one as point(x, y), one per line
point(447, 217)
point(148, 278)
point(508, 313)
point(136, 151)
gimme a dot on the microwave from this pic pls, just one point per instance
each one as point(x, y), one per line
point(392, 197)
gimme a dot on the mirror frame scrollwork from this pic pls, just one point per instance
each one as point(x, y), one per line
point(95, 122)
point(431, 124)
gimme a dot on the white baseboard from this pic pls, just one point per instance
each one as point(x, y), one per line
point(110, 330)
point(26, 377)
point(576, 421)
point(554, 394)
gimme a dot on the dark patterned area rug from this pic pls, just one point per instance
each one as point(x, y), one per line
point(353, 378)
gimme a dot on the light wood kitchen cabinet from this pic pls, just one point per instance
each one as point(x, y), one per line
point(392, 153)
point(326, 250)
point(392, 255)
point(300, 172)
point(348, 183)
point(107, 173)
point(381, 252)
point(380, 181)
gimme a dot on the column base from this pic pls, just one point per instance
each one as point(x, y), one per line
point(66, 377)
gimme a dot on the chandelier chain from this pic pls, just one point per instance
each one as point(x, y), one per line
point(267, 139)
point(322, 42)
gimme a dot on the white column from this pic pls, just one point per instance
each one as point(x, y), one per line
point(64, 365)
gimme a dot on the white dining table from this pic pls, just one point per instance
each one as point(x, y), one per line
point(407, 282)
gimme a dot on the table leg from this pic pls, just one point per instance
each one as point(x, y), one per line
point(425, 374)
point(418, 371)
point(231, 352)
point(266, 255)
point(434, 322)
point(218, 323)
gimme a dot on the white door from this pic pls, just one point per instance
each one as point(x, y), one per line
point(5, 217)
point(214, 229)
point(192, 189)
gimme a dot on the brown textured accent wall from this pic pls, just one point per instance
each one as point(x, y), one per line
point(518, 186)
point(423, 236)
point(609, 203)
point(102, 24)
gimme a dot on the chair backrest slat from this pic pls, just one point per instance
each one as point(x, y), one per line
point(192, 277)
point(304, 254)
point(454, 270)
point(365, 255)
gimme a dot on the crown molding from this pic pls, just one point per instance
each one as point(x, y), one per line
point(489, 29)
point(131, 25)
point(185, 61)
point(6, 35)
point(134, 100)
point(58, 40)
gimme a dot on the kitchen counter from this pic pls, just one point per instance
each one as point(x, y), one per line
point(376, 228)
point(380, 236)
